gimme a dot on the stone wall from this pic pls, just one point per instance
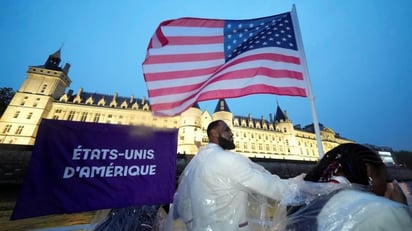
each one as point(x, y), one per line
point(14, 160)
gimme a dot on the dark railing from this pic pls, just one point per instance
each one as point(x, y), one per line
point(14, 160)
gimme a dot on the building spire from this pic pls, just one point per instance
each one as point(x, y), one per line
point(222, 106)
point(280, 115)
point(54, 60)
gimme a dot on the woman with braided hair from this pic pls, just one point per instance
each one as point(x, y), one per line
point(363, 201)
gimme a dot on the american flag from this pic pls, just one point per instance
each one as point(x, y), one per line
point(193, 59)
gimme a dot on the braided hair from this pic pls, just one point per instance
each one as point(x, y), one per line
point(349, 159)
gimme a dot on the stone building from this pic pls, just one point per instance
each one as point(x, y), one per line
point(45, 94)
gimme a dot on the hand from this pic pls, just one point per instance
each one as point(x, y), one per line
point(394, 192)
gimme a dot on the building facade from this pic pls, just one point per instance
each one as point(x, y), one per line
point(44, 94)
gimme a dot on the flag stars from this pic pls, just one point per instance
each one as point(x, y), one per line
point(244, 35)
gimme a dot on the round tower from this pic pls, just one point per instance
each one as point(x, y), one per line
point(190, 132)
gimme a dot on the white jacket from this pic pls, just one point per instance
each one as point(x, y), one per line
point(214, 187)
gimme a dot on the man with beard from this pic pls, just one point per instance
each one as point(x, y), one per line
point(214, 187)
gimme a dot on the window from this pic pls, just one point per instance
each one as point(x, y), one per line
point(84, 117)
point(43, 88)
point(7, 128)
point(96, 118)
point(19, 130)
point(71, 115)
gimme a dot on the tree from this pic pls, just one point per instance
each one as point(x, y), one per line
point(6, 94)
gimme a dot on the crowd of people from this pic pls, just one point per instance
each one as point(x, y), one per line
point(346, 190)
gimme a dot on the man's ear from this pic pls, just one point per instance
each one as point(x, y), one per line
point(213, 134)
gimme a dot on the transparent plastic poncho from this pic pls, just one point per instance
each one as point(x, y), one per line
point(349, 207)
point(241, 195)
point(221, 190)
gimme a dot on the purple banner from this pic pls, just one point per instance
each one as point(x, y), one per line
point(77, 167)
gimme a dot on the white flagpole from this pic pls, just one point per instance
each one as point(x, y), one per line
point(307, 78)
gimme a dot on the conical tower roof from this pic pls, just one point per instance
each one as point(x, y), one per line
point(222, 106)
point(280, 115)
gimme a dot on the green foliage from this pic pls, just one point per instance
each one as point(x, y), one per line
point(6, 94)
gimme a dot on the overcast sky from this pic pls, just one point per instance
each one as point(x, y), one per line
point(358, 55)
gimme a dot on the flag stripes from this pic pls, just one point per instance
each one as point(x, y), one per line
point(186, 63)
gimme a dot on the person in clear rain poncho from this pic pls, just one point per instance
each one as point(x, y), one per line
point(216, 185)
point(365, 200)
